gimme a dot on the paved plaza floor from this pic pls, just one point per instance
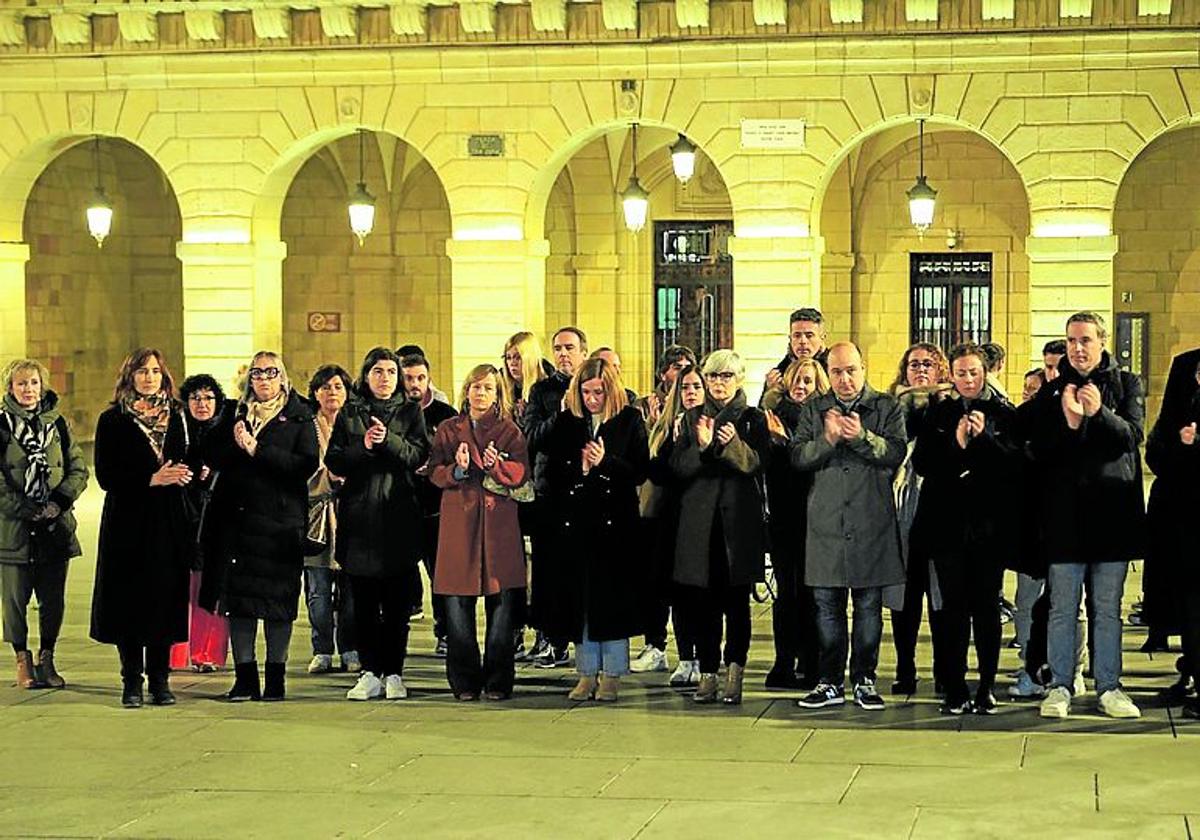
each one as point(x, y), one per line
point(73, 763)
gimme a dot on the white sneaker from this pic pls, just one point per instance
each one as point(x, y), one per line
point(684, 674)
point(650, 659)
point(1057, 703)
point(394, 687)
point(322, 663)
point(1116, 704)
point(368, 687)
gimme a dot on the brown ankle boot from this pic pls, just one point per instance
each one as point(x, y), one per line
point(46, 671)
point(585, 689)
point(609, 686)
point(733, 684)
point(25, 673)
point(706, 691)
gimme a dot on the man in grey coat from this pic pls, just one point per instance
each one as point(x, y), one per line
point(852, 439)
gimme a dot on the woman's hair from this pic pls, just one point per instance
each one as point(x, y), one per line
point(941, 365)
point(285, 384)
point(663, 429)
point(969, 348)
point(20, 365)
point(373, 357)
point(324, 374)
point(503, 395)
point(530, 348)
point(721, 361)
point(124, 387)
point(820, 377)
point(614, 392)
point(202, 382)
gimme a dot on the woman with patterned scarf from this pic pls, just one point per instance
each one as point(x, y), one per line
point(267, 470)
point(140, 600)
point(44, 473)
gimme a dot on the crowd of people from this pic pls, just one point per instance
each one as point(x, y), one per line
point(639, 512)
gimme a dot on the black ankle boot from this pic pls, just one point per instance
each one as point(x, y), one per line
point(160, 691)
point(131, 693)
point(245, 683)
point(273, 683)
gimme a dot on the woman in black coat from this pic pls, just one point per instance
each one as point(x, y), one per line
point(719, 458)
point(969, 452)
point(267, 470)
point(140, 598)
point(793, 612)
point(596, 456)
point(378, 443)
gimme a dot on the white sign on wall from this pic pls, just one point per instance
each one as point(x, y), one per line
point(772, 134)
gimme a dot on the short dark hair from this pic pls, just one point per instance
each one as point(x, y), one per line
point(324, 374)
point(202, 382)
point(1087, 317)
point(413, 360)
point(969, 348)
point(1058, 347)
point(993, 355)
point(1038, 372)
point(409, 350)
point(583, 345)
point(373, 357)
point(807, 313)
point(673, 354)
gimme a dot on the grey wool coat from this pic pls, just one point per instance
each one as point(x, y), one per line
point(853, 539)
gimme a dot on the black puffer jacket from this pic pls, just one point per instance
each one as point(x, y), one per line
point(1090, 479)
point(541, 409)
point(268, 498)
point(379, 518)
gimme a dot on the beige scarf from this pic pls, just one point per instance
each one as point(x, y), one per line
point(152, 414)
point(259, 414)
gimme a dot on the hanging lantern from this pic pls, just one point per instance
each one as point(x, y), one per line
point(99, 209)
point(362, 204)
point(683, 159)
point(635, 201)
point(921, 197)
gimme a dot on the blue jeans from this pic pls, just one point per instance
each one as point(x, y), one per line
point(319, 583)
point(466, 673)
point(611, 658)
point(1105, 585)
point(831, 631)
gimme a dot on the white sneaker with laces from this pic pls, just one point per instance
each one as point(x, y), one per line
point(368, 687)
point(1116, 704)
point(684, 673)
point(321, 663)
point(394, 687)
point(650, 659)
point(1057, 703)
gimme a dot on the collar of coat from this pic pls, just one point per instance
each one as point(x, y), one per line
point(1106, 371)
point(728, 413)
point(867, 400)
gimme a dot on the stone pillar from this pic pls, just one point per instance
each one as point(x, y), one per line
point(13, 256)
point(232, 304)
point(772, 277)
point(596, 298)
point(498, 287)
point(1067, 275)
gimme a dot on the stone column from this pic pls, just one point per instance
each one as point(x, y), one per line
point(13, 256)
point(596, 298)
point(498, 287)
point(232, 304)
point(1067, 275)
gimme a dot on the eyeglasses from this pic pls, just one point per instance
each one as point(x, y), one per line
point(723, 376)
point(201, 398)
point(922, 364)
point(264, 373)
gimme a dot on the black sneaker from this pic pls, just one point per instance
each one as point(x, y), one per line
point(985, 703)
point(781, 676)
point(904, 686)
point(439, 650)
point(867, 697)
point(823, 695)
point(956, 706)
point(552, 657)
point(539, 650)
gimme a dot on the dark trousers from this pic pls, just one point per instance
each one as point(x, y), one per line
point(152, 660)
point(243, 638)
point(793, 618)
point(720, 600)
point(863, 644)
point(429, 535)
point(685, 639)
point(969, 587)
point(464, 669)
point(20, 583)
point(657, 607)
point(1187, 599)
point(381, 612)
point(1035, 652)
point(906, 622)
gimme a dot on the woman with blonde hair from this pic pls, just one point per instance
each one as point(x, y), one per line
point(44, 473)
point(479, 461)
point(596, 457)
point(524, 365)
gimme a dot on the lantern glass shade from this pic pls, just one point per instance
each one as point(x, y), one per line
point(635, 202)
point(683, 159)
point(921, 200)
point(362, 212)
point(99, 217)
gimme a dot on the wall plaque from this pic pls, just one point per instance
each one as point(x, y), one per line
point(485, 145)
point(324, 321)
point(772, 134)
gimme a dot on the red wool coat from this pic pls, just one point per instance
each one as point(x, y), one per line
point(480, 550)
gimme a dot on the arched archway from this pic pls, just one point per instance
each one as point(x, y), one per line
point(87, 308)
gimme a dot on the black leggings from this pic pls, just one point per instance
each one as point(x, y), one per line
point(243, 637)
point(381, 612)
point(969, 587)
point(711, 603)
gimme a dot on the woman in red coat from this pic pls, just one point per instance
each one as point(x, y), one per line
point(478, 459)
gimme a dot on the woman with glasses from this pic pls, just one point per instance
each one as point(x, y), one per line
point(923, 380)
point(140, 599)
point(378, 443)
point(478, 460)
point(274, 453)
point(719, 458)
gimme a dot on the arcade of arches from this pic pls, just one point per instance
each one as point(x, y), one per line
point(1070, 163)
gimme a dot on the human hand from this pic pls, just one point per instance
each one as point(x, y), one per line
point(243, 438)
point(775, 379)
point(653, 408)
point(833, 427)
point(375, 434)
point(775, 425)
point(1089, 397)
point(851, 426)
point(962, 434)
point(977, 423)
point(726, 433)
point(1188, 434)
point(1072, 407)
point(171, 473)
point(704, 431)
point(490, 455)
point(462, 456)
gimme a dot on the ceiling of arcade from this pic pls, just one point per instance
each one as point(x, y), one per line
point(81, 26)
